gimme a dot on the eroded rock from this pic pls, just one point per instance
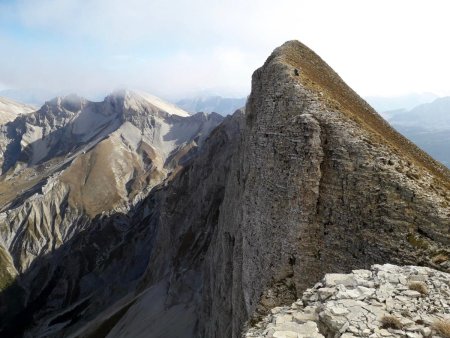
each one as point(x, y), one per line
point(339, 316)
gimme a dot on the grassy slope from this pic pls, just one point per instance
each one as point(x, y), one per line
point(337, 95)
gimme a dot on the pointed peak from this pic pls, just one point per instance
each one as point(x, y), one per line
point(300, 66)
point(136, 100)
point(71, 102)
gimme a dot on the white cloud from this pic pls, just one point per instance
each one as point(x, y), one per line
point(174, 48)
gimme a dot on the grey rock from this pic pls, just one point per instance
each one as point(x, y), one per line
point(341, 316)
point(334, 279)
point(411, 293)
point(325, 293)
point(309, 181)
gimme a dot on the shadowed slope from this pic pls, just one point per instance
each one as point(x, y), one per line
point(308, 181)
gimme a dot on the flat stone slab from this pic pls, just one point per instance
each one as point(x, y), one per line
point(374, 303)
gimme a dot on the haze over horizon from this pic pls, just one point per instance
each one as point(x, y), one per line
point(180, 49)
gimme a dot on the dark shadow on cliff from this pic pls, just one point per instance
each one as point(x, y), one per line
point(114, 256)
point(69, 280)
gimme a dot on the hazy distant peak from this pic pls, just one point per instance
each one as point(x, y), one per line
point(408, 101)
point(439, 102)
point(209, 104)
point(431, 116)
point(10, 109)
point(71, 102)
point(136, 100)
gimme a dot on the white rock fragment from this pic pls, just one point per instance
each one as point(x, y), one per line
point(344, 306)
point(285, 334)
point(411, 293)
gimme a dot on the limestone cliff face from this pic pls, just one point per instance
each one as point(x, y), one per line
point(317, 182)
point(309, 180)
point(320, 184)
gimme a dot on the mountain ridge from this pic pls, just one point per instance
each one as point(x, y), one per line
point(298, 185)
point(213, 103)
point(73, 160)
point(337, 94)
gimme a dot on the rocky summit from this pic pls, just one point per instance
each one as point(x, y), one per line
point(208, 226)
point(386, 301)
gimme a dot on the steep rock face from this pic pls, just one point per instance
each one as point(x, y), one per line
point(318, 183)
point(92, 279)
point(321, 184)
point(309, 180)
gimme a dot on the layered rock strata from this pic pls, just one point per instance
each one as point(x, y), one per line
point(320, 184)
point(310, 180)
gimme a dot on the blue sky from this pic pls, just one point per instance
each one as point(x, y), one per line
point(182, 48)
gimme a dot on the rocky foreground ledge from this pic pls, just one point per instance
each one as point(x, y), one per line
point(386, 301)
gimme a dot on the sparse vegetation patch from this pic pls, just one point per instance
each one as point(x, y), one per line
point(391, 322)
point(440, 258)
point(442, 327)
point(420, 287)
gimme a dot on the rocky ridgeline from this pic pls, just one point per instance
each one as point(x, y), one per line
point(386, 301)
point(307, 181)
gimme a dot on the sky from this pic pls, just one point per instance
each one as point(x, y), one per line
point(184, 48)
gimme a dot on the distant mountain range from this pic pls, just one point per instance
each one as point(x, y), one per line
point(210, 104)
point(423, 118)
point(427, 125)
point(129, 217)
point(35, 97)
point(409, 101)
point(205, 103)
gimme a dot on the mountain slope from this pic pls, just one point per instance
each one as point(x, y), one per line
point(73, 160)
point(309, 180)
point(316, 182)
point(322, 184)
point(10, 109)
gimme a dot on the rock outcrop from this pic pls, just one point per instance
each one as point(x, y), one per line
point(320, 184)
point(309, 180)
point(386, 301)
